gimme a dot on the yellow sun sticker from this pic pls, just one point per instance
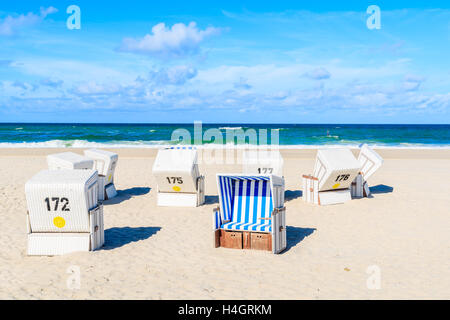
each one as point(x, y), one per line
point(59, 222)
point(176, 188)
point(336, 185)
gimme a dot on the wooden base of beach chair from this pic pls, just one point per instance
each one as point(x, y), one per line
point(231, 239)
point(243, 240)
point(53, 243)
point(311, 193)
point(360, 187)
point(261, 241)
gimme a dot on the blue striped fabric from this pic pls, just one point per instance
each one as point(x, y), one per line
point(255, 178)
point(217, 221)
point(246, 202)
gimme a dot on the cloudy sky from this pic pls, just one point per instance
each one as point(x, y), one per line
point(239, 61)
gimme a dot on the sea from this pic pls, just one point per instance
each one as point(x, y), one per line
point(156, 135)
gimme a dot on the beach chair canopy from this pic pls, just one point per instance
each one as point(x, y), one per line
point(69, 160)
point(176, 170)
point(60, 200)
point(369, 161)
point(247, 201)
point(262, 162)
point(335, 168)
point(104, 162)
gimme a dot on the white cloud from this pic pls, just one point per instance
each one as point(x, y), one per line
point(49, 82)
point(94, 88)
point(24, 85)
point(412, 82)
point(318, 74)
point(242, 84)
point(164, 42)
point(177, 75)
point(46, 11)
point(10, 24)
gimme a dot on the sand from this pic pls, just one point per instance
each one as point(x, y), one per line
point(166, 253)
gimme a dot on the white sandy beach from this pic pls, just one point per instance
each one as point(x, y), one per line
point(167, 253)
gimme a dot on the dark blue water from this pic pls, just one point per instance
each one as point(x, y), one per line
point(289, 135)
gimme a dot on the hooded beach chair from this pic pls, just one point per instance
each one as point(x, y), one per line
point(262, 162)
point(74, 161)
point(178, 178)
point(64, 214)
point(105, 163)
point(370, 161)
point(251, 212)
point(68, 160)
point(334, 171)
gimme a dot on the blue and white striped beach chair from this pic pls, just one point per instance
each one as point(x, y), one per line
point(251, 212)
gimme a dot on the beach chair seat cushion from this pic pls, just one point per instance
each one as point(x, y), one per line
point(250, 226)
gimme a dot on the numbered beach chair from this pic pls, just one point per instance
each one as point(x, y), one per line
point(251, 212)
point(73, 161)
point(177, 175)
point(105, 163)
point(334, 171)
point(68, 160)
point(370, 161)
point(262, 162)
point(64, 214)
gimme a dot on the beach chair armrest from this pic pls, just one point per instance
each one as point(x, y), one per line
point(278, 210)
point(306, 176)
point(217, 220)
point(95, 209)
point(199, 181)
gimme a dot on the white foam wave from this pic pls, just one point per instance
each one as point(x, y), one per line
point(230, 128)
point(165, 143)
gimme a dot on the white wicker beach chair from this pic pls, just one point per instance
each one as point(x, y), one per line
point(251, 212)
point(105, 163)
point(68, 160)
point(64, 214)
point(177, 175)
point(334, 171)
point(370, 161)
point(262, 162)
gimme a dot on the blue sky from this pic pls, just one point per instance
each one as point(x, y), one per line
point(236, 61)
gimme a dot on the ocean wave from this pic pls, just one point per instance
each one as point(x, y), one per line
point(86, 144)
point(230, 128)
point(166, 143)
